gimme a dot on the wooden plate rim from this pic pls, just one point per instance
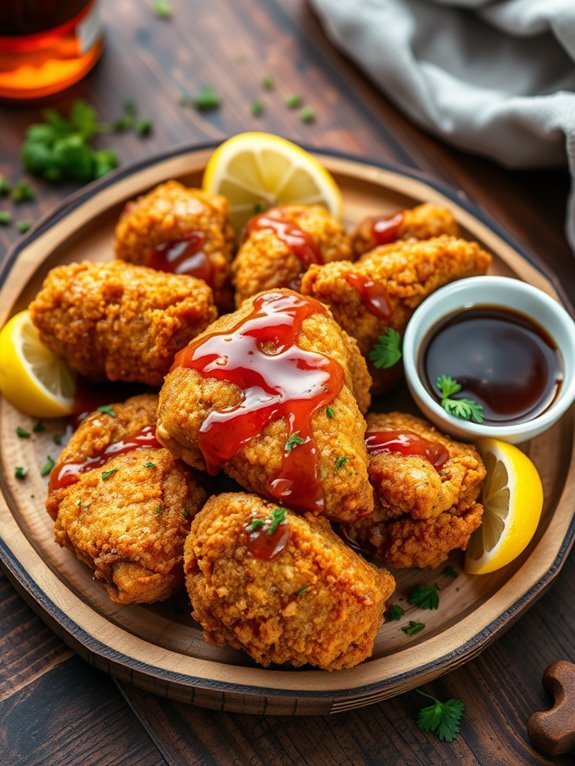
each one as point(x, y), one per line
point(38, 598)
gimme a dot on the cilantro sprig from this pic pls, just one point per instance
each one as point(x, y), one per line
point(387, 351)
point(441, 718)
point(464, 409)
point(425, 596)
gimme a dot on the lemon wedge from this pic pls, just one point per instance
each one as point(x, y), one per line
point(32, 378)
point(255, 171)
point(512, 499)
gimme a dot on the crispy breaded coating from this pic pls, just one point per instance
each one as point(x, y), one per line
point(189, 401)
point(410, 484)
point(172, 212)
point(422, 513)
point(127, 518)
point(407, 272)
point(316, 602)
point(118, 321)
point(420, 222)
point(266, 261)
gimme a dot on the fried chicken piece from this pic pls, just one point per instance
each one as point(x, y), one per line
point(280, 245)
point(125, 514)
point(386, 285)
point(273, 395)
point(420, 222)
point(118, 321)
point(183, 230)
point(314, 601)
point(422, 511)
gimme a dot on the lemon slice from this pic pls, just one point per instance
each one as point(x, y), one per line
point(512, 499)
point(255, 171)
point(32, 378)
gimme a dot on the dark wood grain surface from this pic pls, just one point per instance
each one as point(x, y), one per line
point(54, 708)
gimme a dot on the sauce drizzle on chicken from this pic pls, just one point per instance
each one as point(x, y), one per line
point(300, 242)
point(407, 443)
point(183, 256)
point(373, 295)
point(385, 229)
point(277, 379)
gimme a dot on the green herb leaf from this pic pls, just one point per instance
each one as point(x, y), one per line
point(341, 461)
point(464, 409)
point(57, 439)
point(24, 226)
point(207, 99)
point(20, 472)
point(149, 464)
point(268, 82)
point(450, 571)
point(394, 612)
point(277, 517)
point(387, 351)
point(22, 433)
point(123, 123)
point(159, 509)
point(47, 467)
point(441, 718)
point(447, 386)
point(292, 102)
point(293, 441)
point(413, 627)
point(22, 192)
point(106, 474)
point(143, 127)
point(303, 590)
point(107, 409)
point(307, 114)
point(329, 412)
point(256, 524)
point(39, 427)
point(5, 218)
point(257, 108)
point(162, 9)
point(425, 596)
point(5, 186)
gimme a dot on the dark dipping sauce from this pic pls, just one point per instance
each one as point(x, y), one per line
point(502, 359)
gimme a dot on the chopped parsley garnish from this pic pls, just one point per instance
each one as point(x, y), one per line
point(20, 472)
point(307, 114)
point(159, 509)
point(5, 218)
point(107, 409)
point(39, 427)
point(329, 412)
point(257, 108)
point(22, 192)
point(442, 718)
point(303, 590)
point(256, 524)
point(57, 439)
point(149, 464)
point(292, 102)
point(450, 571)
point(106, 474)
point(413, 627)
point(83, 506)
point(162, 9)
point(206, 99)
point(47, 467)
point(341, 461)
point(130, 107)
point(143, 127)
point(22, 433)
point(278, 517)
point(5, 186)
point(268, 82)
point(464, 409)
point(294, 441)
point(395, 612)
point(387, 351)
point(425, 596)
point(24, 226)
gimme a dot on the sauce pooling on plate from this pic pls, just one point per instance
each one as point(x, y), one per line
point(406, 443)
point(502, 359)
point(300, 242)
point(183, 256)
point(277, 379)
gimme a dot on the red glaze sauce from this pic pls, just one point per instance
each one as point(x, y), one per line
point(183, 256)
point(407, 443)
point(300, 242)
point(263, 545)
point(373, 296)
point(67, 473)
point(385, 229)
point(278, 379)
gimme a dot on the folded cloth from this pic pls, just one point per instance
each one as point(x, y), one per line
point(492, 76)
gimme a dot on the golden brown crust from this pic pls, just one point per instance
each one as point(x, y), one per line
point(170, 212)
point(118, 321)
point(187, 398)
point(420, 222)
point(128, 526)
point(265, 262)
point(316, 603)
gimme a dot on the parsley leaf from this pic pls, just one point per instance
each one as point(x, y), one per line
point(293, 441)
point(256, 524)
point(207, 99)
point(47, 467)
point(106, 474)
point(22, 433)
point(162, 9)
point(464, 409)
point(303, 590)
point(24, 226)
point(4, 186)
point(292, 102)
point(5, 218)
point(341, 461)
point(268, 82)
point(107, 409)
point(413, 627)
point(442, 718)
point(307, 114)
point(394, 612)
point(278, 517)
point(329, 412)
point(450, 571)
point(39, 427)
point(149, 464)
point(387, 351)
point(425, 596)
point(22, 192)
point(20, 472)
point(257, 108)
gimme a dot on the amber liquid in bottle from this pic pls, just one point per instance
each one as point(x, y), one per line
point(46, 45)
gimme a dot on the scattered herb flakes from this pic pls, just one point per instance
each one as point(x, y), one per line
point(130, 107)
point(256, 524)
point(57, 439)
point(159, 509)
point(20, 472)
point(123, 123)
point(22, 192)
point(257, 108)
point(162, 9)
point(149, 464)
point(24, 226)
point(5, 186)
point(329, 412)
point(143, 127)
point(441, 718)
point(106, 474)
point(5, 218)
point(22, 433)
point(185, 513)
point(39, 427)
point(413, 627)
point(278, 516)
point(107, 409)
point(303, 590)
point(268, 82)
point(294, 441)
point(394, 613)
point(450, 571)
point(387, 351)
point(293, 101)
point(47, 467)
point(425, 596)
point(206, 99)
point(83, 506)
point(464, 409)
point(307, 114)
point(341, 461)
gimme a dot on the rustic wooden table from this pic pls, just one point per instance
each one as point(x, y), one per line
point(54, 708)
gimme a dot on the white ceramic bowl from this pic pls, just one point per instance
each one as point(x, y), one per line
point(491, 291)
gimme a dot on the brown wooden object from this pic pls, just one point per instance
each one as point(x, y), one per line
point(553, 731)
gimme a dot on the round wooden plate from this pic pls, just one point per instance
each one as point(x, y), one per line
point(159, 647)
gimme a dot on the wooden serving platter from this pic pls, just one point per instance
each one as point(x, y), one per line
point(160, 648)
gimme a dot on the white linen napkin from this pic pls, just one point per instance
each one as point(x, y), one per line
point(496, 77)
